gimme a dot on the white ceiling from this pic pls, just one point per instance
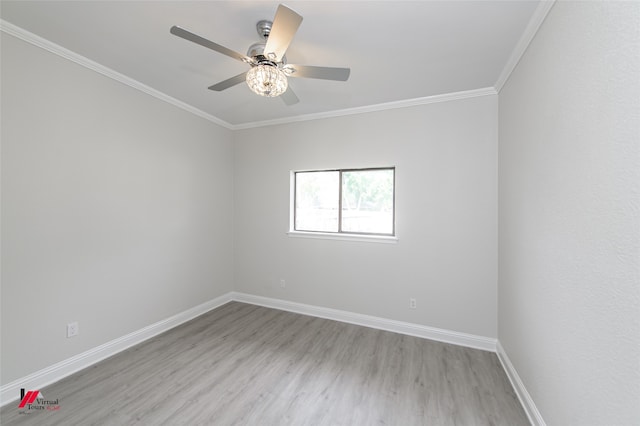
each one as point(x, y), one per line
point(397, 50)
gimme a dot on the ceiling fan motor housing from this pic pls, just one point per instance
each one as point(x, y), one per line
point(256, 51)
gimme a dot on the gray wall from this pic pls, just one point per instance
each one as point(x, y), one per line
point(116, 209)
point(569, 144)
point(446, 176)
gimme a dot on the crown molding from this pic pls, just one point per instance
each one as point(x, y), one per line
point(529, 33)
point(446, 97)
point(56, 49)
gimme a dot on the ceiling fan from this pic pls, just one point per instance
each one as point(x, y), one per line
point(269, 68)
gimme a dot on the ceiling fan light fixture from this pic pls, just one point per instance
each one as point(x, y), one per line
point(267, 80)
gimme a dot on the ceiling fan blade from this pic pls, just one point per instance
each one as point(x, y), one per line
point(324, 73)
point(230, 82)
point(285, 25)
point(187, 35)
point(289, 97)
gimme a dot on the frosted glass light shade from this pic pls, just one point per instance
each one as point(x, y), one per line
point(267, 80)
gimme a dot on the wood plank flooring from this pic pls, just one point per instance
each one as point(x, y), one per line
point(242, 364)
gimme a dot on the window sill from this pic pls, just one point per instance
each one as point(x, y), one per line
point(344, 237)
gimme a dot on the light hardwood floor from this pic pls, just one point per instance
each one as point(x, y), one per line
point(242, 364)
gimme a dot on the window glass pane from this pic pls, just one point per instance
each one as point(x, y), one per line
point(367, 201)
point(317, 197)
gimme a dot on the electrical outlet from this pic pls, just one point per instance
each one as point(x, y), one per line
point(72, 329)
point(413, 304)
point(283, 283)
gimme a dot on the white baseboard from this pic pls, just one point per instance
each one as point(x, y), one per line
point(11, 391)
point(447, 336)
point(523, 395)
point(39, 379)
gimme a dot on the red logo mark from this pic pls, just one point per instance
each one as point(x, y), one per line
point(29, 398)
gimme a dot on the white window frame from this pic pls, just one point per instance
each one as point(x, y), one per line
point(339, 235)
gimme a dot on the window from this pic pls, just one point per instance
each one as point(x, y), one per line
point(347, 201)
